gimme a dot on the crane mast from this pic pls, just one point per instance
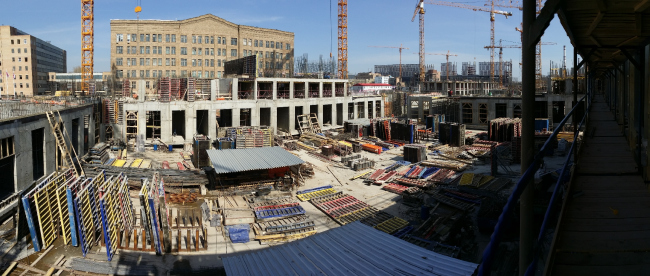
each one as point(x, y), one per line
point(87, 42)
point(343, 39)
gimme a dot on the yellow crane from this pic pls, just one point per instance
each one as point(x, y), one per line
point(419, 9)
point(447, 56)
point(401, 47)
point(342, 65)
point(87, 44)
point(492, 12)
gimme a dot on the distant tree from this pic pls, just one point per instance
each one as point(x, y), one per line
point(76, 69)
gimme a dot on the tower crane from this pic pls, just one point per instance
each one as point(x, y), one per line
point(343, 39)
point(419, 9)
point(447, 55)
point(400, 55)
point(87, 44)
point(492, 12)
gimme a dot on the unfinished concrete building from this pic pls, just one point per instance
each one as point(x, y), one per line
point(232, 102)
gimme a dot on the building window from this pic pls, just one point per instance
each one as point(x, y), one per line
point(141, 61)
point(200, 39)
point(183, 50)
point(211, 39)
point(167, 50)
point(159, 37)
point(155, 74)
point(118, 38)
point(146, 84)
point(173, 38)
point(155, 62)
point(173, 50)
point(153, 38)
point(233, 41)
point(255, 42)
point(277, 45)
point(193, 39)
point(142, 50)
point(218, 52)
point(267, 44)
point(147, 74)
point(148, 61)
point(128, 62)
point(218, 62)
point(155, 50)
point(200, 63)
point(118, 49)
point(118, 61)
point(207, 39)
point(233, 53)
point(218, 40)
point(167, 38)
point(133, 74)
point(133, 62)
point(133, 50)
point(288, 46)
point(160, 50)
point(200, 51)
point(266, 54)
point(173, 62)
point(211, 51)
point(147, 48)
point(183, 62)
point(173, 73)
point(193, 62)
point(183, 39)
point(128, 50)
point(142, 37)
point(146, 38)
point(167, 62)
point(193, 51)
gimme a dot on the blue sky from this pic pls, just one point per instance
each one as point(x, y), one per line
point(380, 22)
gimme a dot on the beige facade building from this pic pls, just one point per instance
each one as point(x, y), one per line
point(29, 59)
point(197, 47)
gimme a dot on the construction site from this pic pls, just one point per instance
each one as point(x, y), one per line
point(266, 164)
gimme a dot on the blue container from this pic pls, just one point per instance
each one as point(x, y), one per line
point(170, 148)
point(541, 124)
point(155, 147)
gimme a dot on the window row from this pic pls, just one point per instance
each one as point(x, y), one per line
point(168, 73)
point(18, 41)
point(13, 59)
point(201, 39)
point(18, 50)
point(20, 68)
point(168, 62)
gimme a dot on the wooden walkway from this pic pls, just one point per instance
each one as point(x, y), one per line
point(606, 229)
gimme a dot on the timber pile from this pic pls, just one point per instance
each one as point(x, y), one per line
point(172, 177)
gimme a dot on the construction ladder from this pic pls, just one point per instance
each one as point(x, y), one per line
point(313, 122)
point(60, 136)
point(304, 124)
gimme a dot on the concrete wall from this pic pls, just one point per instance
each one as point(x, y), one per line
point(21, 129)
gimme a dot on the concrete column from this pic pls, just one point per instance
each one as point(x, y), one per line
point(190, 122)
point(142, 91)
point(345, 111)
point(275, 91)
point(365, 109)
point(549, 111)
point(333, 91)
point(255, 116)
point(212, 123)
point(142, 124)
point(371, 104)
point(235, 91)
point(235, 117)
point(320, 112)
point(291, 84)
point(345, 89)
point(320, 90)
point(421, 108)
point(213, 90)
point(334, 113)
point(383, 112)
point(255, 90)
point(307, 90)
point(292, 116)
point(510, 109)
point(355, 110)
point(274, 120)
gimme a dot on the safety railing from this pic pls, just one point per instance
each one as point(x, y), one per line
point(490, 252)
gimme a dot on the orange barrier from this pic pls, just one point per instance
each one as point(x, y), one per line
point(372, 148)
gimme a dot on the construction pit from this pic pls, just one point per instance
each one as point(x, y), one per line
point(437, 208)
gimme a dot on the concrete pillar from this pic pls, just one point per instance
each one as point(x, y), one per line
point(292, 116)
point(275, 91)
point(235, 90)
point(235, 117)
point(291, 84)
point(190, 122)
point(420, 108)
point(255, 116)
point(142, 90)
point(355, 110)
point(213, 90)
point(274, 116)
point(320, 111)
point(307, 90)
point(345, 111)
point(365, 109)
point(334, 113)
point(212, 123)
point(333, 93)
point(371, 104)
point(383, 112)
point(254, 90)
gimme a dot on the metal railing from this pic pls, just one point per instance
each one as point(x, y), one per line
point(490, 252)
point(15, 109)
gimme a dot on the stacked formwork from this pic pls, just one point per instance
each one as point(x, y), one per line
point(251, 137)
point(175, 88)
point(191, 89)
point(182, 88)
point(109, 111)
point(204, 87)
point(126, 88)
point(116, 212)
point(164, 87)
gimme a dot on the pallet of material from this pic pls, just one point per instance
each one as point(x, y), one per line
point(315, 194)
point(392, 225)
point(146, 164)
point(289, 236)
point(282, 225)
point(119, 163)
point(233, 217)
point(136, 163)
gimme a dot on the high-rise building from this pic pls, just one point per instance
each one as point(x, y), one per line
point(196, 47)
point(25, 62)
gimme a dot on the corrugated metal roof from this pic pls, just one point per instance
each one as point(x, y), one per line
point(353, 249)
point(241, 160)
